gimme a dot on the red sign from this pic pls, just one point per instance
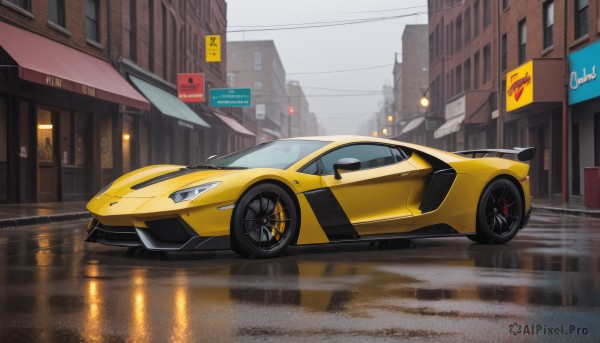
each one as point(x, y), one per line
point(190, 87)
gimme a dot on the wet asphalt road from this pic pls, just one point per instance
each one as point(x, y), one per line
point(542, 286)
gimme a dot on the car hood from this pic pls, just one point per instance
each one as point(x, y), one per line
point(159, 180)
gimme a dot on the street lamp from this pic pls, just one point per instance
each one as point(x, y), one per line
point(424, 101)
point(375, 134)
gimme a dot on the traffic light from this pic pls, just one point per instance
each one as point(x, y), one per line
point(291, 110)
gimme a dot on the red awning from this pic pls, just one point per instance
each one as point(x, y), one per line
point(49, 63)
point(234, 125)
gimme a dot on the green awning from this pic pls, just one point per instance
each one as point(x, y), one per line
point(167, 103)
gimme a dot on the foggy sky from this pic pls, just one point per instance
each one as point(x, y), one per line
point(332, 49)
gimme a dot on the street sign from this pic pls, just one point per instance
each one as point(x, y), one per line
point(213, 48)
point(230, 97)
point(190, 87)
point(261, 111)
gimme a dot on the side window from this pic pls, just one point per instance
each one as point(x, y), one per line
point(369, 155)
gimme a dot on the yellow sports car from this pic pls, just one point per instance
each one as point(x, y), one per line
point(316, 190)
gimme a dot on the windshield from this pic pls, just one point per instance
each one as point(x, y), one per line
point(274, 154)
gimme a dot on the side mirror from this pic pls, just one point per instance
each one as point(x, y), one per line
point(210, 158)
point(345, 164)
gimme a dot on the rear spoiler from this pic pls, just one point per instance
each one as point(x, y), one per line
point(523, 154)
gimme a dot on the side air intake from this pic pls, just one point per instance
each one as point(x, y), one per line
point(439, 186)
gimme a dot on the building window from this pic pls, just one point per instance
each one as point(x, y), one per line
point(151, 35)
point(467, 76)
point(476, 18)
point(164, 41)
point(91, 20)
point(24, 4)
point(56, 12)
point(504, 4)
point(467, 17)
point(487, 13)
point(581, 18)
point(458, 33)
point(257, 61)
point(548, 23)
point(459, 80)
point(504, 52)
point(522, 41)
point(230, 79)
point(133, 30)
point(257, 86)
point(487, 63)
point(476, 71)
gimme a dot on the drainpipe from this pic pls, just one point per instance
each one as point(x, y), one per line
point(109, 29)
point(499, 94)
point(565, 113)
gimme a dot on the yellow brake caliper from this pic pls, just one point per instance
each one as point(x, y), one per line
point(279, 225)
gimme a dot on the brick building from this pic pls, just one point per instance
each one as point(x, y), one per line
point(542, 56)
point(410, 84)
point(462, 84)
point(87, 92)
point(57, 88)
point(256, 65)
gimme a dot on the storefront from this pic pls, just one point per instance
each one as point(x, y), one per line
point(533, 98)
point(584, 102)
point(467, 122)
point(60, 123)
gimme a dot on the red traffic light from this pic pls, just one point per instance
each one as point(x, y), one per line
point(291, 109)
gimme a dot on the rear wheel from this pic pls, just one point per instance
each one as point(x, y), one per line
point(264, 222)
point(499, 214)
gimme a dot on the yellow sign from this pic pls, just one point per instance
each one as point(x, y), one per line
point(519, 87)
point(213, 48)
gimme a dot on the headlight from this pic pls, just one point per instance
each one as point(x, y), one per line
point(192, 192)
point(104, 189)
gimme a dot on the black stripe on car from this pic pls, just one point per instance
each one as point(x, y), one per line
point(331, 215)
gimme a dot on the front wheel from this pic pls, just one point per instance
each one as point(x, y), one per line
point(264, 222)
point(500, 213)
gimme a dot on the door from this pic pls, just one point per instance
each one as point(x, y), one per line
point(47, 156)
point(374, 198)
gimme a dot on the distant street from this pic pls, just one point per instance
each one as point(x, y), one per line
point(542, 286)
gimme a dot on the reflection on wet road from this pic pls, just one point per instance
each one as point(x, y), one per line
point(544, 286)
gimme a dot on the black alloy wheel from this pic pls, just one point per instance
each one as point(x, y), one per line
point(265, 222)
point(500, 213)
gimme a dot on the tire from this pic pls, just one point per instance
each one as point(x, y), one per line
point(499, 214)
point(264, 222)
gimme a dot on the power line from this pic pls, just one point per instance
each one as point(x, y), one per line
point(325, 24)
point(388, 10)
point(341, 71)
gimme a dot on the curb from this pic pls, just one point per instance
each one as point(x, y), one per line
point(570, 211)
point(23, 221)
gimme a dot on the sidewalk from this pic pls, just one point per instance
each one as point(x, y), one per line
point(41, 213)
point(12, 215)
point(574, 207)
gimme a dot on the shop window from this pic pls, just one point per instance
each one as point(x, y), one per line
point(106, 143)
point(73, 129)
point(3, 151)
point(92, 29)
point(56, 12)
point(45, 137)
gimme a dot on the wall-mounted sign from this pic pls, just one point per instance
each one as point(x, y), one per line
point(583, 81)
point(519, 87)
point(261, 111)
point(455, 107)
point(213, 48)
point(190, 87)
point(230, 97)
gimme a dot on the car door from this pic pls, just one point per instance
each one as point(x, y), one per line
point(374, 198)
